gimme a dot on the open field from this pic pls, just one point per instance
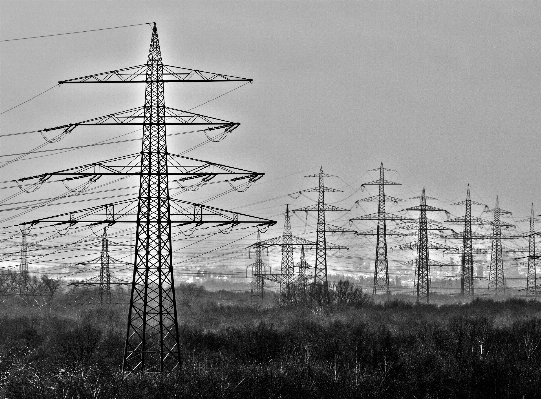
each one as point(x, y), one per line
point(233, 347)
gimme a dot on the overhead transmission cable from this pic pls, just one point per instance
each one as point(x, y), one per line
point(73, 33)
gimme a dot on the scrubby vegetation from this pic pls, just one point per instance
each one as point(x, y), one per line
point(235, 347)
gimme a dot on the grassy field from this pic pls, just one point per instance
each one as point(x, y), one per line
point(234, 347)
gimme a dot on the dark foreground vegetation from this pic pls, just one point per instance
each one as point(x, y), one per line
point(67, 346)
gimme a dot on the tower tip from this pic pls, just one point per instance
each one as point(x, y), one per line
point(154, 28)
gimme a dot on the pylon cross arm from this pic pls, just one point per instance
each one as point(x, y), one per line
point(136, 116)
point(380, 182)
point(138, 74)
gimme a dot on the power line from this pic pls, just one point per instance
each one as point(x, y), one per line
point(24, 102)
point(73, 33)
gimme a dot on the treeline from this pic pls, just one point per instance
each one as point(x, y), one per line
point(484, 349)
point(23, 283)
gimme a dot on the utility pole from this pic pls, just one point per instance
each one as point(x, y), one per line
point(381, 266)
point(320, 267)
point(423, 266)
point(152, 338)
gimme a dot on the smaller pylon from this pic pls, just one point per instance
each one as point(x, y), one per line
point(531, 279)
point(466, 273)
point(258, 270)
point(423, 262)
point(496, 278)
point(302, 275)
point(381, 266)
point(105, 274)
point(23, 266)
point(286, 277)
point(320, 267)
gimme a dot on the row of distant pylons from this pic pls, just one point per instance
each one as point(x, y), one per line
point(300, 286)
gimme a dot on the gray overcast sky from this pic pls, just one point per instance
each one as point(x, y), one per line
point(447, 93)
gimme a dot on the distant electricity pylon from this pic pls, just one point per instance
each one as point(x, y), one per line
point(152, 339)
point(381, 266)
point(423, 264)
point(105, 273)
point(258, 269)
point(23, 266)
point(466, 272)
point(496, 279)
point(287, 241)
point(105, 279)
point(531, 278)
point(302, 276)
point(320, 267)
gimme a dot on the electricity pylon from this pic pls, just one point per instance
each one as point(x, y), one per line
point(496, 279)
point(381, 266)
point(287, 241)
point(23, 266)
point(258, 270)
point(302, 276)
point(423, 263)
point(152, 339)
point(531, 278)
point(466, 274)
point(320, 267)
point(104, 280)
point(105, 274)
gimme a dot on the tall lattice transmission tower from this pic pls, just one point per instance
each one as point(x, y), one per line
point(496, 278)
point(320, 266)
point(467, 265)
point(152, 338)
point(23, 266)
point(105, 273)
point(423, 263)
point(531, 277)
point(302, 276)
point(381, 264)
point(257, 285)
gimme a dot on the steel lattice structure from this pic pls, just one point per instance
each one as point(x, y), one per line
point(320, 267)
point(466, 279)
point(302, 276)
point(105, 273)
point(381, 265)
point(152, 341)
point(287, 265)
point(466, 274)
point(258, 270)
point(496, 278)
point(23, 266)
point(423, 262)
point(287, 241)
point(531, 277)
